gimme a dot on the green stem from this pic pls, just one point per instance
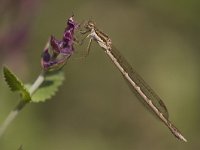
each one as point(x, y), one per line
point(12, 115)
point(37, 83)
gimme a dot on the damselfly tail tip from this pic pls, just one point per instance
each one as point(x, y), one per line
point(183, 138)
point(180, 136)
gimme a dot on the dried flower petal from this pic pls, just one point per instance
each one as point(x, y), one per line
point(55, 44)
point(46, 56)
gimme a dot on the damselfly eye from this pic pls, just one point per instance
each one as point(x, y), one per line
point(90, 25)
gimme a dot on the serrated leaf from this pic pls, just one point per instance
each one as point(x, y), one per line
point(49, 87)
point(15, 84)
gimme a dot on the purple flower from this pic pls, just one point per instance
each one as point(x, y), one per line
point(57, 52)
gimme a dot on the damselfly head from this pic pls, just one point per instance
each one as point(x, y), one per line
point(90, 25)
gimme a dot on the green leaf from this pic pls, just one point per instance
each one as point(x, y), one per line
point(15, 84)
point(49, 87)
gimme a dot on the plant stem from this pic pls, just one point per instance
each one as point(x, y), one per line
point(12, 115)
point(37, 83)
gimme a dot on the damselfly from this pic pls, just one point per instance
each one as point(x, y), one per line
point(137, 84)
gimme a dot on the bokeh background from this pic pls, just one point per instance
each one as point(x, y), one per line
point(94, 109)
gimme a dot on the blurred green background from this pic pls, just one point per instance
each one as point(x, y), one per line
point(95, 109)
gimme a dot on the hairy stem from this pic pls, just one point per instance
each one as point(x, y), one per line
point(12, 115)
